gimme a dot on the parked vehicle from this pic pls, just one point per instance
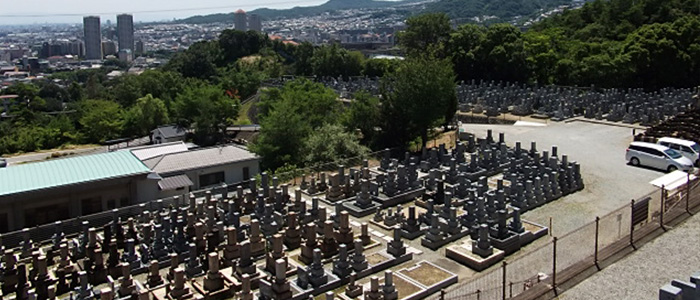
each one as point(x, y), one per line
point(657, 156)
point(689, 149)
point(3, 163)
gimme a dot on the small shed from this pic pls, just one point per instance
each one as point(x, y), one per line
point(168, 134)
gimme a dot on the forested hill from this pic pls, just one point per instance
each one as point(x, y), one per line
point(502, 9)
point(268, 13)
point(636, 43)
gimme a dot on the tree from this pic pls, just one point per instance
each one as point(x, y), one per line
point(208, 109)
point(282, 135)
point(330, 143)
point(378, 67)
point(199, 61)
point(316, 103)
point(417, 97)
point(303, 54)
point(147, 114)
point(100, 120)
point(287, 117)
point(363, 114)
point(235, 44)
point(335, 61)
point(426, 33)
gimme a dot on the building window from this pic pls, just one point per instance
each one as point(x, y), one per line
point(4, 223)
point(211, 179)
point(246, 173)
point(91, 206)
point(46, 214)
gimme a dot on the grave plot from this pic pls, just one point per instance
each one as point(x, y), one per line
point(493, 98)
point(684, 126)
point(561, 103)
point(285, 249)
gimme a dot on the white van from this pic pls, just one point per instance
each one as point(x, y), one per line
point(687, 148)
point(657, 156)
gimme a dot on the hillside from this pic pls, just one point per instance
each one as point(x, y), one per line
point(268, 13)
point(502, 9)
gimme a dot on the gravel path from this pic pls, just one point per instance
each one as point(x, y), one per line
point(640, 275)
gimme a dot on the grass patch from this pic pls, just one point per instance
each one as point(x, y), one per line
point(243, 114)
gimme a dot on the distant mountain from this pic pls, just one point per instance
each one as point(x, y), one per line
point(267, 13)
point(502, 9)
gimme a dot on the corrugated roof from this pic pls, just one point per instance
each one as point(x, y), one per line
point(67, 171)
point(147, 152)
point(179, 162)
point(174, 182)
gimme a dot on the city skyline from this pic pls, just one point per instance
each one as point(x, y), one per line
point(42, 12)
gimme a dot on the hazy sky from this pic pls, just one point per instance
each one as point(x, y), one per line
point(71, 11)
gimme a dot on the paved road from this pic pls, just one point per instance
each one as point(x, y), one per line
point(641, 274)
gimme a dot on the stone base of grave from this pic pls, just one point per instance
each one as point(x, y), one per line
point(274, 291)
point(463, 254)
point(359, 212)
point(434, 245)
point(424, 279)
point(236, 282)
point(226, 292)
point(509, 245)
point(413, 234)
point(401, 198)
point(532, 232)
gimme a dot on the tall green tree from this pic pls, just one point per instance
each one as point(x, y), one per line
point(147, 114)
point(207, 109)
point(426, 33)
point(100, 120)
point(288, 115)
point(418, 96)
point(330, 143)
point(336, 61)
point(364, 114)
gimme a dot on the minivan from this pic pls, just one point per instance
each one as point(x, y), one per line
point(686, 148)
point(657, 156)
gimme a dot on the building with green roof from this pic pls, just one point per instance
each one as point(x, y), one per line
point(43, 192)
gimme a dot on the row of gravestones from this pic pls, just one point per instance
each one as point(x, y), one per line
point(493, 98)
point(166, 230)
point(681, 290)
point(629, 106)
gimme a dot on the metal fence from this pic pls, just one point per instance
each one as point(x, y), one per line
point(560, 259)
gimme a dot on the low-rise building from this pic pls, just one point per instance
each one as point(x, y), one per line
point(43, 192)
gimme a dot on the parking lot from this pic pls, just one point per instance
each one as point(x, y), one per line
point(600, 149)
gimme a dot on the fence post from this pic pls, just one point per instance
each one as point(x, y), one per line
point(504, 279)
point(595, 254)
point(632, 225)
point(687, 194)
point(478, 294)
point(554, 267)
point(550, 226)
point(663, 201)
point(442, 294)
point(510, 294)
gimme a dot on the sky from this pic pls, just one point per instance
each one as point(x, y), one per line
point(72, 11)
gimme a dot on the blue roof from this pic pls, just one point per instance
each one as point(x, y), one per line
point(67, 171)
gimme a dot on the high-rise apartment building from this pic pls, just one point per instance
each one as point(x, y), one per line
point(240, 20)
point(93, 37)
point(255, 22)
point(125, 31)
